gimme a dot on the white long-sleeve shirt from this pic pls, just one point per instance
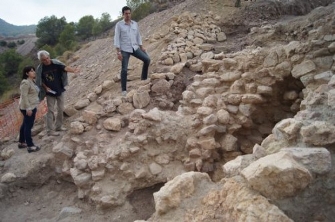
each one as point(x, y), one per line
point(127, 36)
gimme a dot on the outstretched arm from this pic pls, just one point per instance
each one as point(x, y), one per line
point(72, 69)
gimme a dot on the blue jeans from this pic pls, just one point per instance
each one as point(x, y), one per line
point(27, 125)
point(143, 56)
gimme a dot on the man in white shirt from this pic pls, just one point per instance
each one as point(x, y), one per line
point(128, 41)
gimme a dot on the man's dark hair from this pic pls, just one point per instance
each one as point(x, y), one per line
point(125, 8)
point(26, 70)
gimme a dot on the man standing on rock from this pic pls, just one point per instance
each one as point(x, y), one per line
point(51, 77)
point(128, 41)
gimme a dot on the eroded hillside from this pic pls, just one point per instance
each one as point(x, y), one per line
point(234, 124)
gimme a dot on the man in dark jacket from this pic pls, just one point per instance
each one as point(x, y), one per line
point(51, 77)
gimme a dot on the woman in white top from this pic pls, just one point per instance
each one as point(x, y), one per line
point(28, 106)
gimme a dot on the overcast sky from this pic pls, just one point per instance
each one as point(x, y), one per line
point(30, 12)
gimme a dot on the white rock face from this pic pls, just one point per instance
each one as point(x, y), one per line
point(303, 68)
point(316, 160)
point(77, 128)
point(113, 124)
point(141, 99)
point(81, 104)
point(8, 178)
point(184, 197)
point(175, 191)
point(277, 176)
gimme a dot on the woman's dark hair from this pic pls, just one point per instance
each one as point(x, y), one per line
point(125, 8)
point(26, 70)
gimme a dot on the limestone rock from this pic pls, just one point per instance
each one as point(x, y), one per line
point(229, 63)
point(172, 194)
point(155, 168)
point(282, 70)
point(63, 149)
point(98, 174)
point(154, 114)
point(8, 178)
point(228, 143)
point(234, 192)
point(80, 178)
point(70, 110)
point(90, 117)
point(196, 67)
point(207, 143)
point(5, 154)
point(277, 176)
point(303, 68)
point(223, 116)
point(92, 97)
point(107, 84)
point(98, 90)
point(316, 160)
point(141, 99)
point(221, 37)
point(168, 61)
point(177, 68)
point(291, 48)
point(235, 166)
point(210, 65)
point(318, 133)
point(271, 59)
point(125, 108)
point(81, 104)
point(77, 127)
point(207, 55)
point(161, 87)
point(113, 124)
point(67, 212)
point(230, 76)
point(331, 47)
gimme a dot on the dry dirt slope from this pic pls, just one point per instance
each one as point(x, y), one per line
point(47, 200)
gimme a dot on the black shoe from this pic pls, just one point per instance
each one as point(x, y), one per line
point(33, 149)
point(22, 145)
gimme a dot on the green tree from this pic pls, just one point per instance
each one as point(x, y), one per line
point(26, 61)
point(238, 3)
point(10, 61)
point(133, 4)
point(11, 45)
point(141, 11)
point(3, 43)
point(50, 50)
point(20, 42)
point(97, 28)
point(3, 83)
point(59, 49)
point(67, 37)
point(140, 8)
point(85, 27)
point(105, 21)
point(49, 29)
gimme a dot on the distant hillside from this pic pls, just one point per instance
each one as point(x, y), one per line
point(8, 30)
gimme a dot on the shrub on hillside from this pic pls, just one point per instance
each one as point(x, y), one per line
point(11, 45)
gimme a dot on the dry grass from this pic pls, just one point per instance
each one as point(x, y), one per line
point(9, 94)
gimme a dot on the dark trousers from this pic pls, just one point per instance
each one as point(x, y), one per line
point(143, 56)
point(27, 125)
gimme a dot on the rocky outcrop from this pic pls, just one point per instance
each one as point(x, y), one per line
point(193, 197)
point(233, 103)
